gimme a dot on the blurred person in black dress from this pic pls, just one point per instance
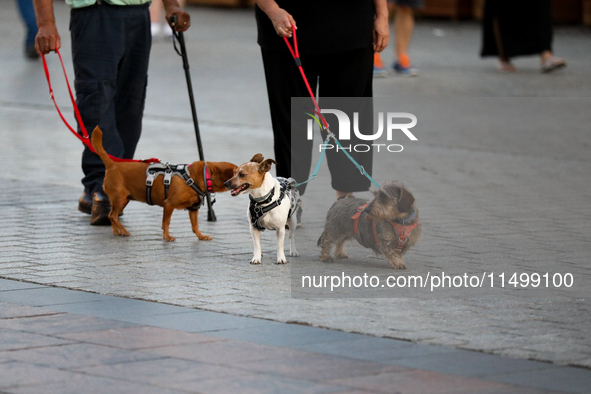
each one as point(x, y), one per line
point(519, 28)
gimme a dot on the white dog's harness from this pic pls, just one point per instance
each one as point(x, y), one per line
point(258, 206)
point(181, 170)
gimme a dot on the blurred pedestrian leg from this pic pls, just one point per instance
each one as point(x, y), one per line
point(519, 28)
point(404, 23)
point(378, 66)
point(28, 15)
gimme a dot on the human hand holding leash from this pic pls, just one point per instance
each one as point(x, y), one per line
point(48, 38)
point(177, 18)
point(281, 19)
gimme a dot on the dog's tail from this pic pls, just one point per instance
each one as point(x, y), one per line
point(319, 240)
point(97, 143)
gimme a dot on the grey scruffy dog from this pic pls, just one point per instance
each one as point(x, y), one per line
point(388, 224)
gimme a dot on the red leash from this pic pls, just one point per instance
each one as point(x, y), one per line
point(296, 56)
point(84, 137)
point(295, 53)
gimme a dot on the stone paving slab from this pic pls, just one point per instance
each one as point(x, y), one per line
point(117, 355)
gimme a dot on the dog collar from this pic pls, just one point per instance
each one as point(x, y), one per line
point(264, 199)
point(207, 179)
point(405, 222)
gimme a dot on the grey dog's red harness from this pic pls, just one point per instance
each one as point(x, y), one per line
point(402, 229)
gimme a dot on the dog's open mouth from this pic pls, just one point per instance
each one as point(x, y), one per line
point(240, 189)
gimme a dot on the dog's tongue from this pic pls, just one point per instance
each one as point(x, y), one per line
point(237, 190)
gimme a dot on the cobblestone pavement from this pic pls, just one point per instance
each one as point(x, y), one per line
point(492, 196)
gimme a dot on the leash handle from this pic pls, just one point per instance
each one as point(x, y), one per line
point(84, 137)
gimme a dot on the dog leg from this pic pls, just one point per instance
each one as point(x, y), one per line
point(281, 245)
point(256, 240)
point(118, 204)
point(292, 227)
point(194, 216)
point(326, 245)
point(394, 258)
point(339, 253)
point(168, 209)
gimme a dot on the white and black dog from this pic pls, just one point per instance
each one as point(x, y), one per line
point(273, 202)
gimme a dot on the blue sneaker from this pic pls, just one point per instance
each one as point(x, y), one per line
point(406, 71)
point(378, 67)
point(379, 72)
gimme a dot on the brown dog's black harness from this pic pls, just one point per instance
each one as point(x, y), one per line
point(258, 209)
point(182, 170)
point(402, 228)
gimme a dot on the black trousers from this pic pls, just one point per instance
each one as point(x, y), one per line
point(110, 52)
point(343, 74)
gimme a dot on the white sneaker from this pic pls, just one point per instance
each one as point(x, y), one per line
point(156, 29)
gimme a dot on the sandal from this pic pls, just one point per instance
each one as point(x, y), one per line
point(553, 63)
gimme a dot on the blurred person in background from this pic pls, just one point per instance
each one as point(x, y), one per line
point(27, 12)
point(404, 23)
point(519, 28)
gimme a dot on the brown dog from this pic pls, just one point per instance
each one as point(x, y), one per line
point(389, 224)
point(126, 181)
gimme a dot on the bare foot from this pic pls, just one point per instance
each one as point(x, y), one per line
point(506, 67)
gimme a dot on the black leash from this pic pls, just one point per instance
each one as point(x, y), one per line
point(178, 36)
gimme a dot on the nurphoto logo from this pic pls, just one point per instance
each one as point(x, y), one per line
point(393, 127)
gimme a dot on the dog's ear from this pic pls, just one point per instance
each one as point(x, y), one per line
point(406, 200)
point(265, 166)
point(258, 158)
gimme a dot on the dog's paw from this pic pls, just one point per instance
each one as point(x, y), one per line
point(255, 262)
point(204, 237)
point(325, 258)
point(398, 266)
point(342, 255)
point(121, 233)
point(281, 261)
point(294, 254)
point(169, 238)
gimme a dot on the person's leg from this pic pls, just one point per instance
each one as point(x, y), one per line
point(404, 24)
point(97, 48)
point(352, 78)
point(284, 81)
point(28, 14)
point(505, 64)
point(155, 15)
point(132, 78)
